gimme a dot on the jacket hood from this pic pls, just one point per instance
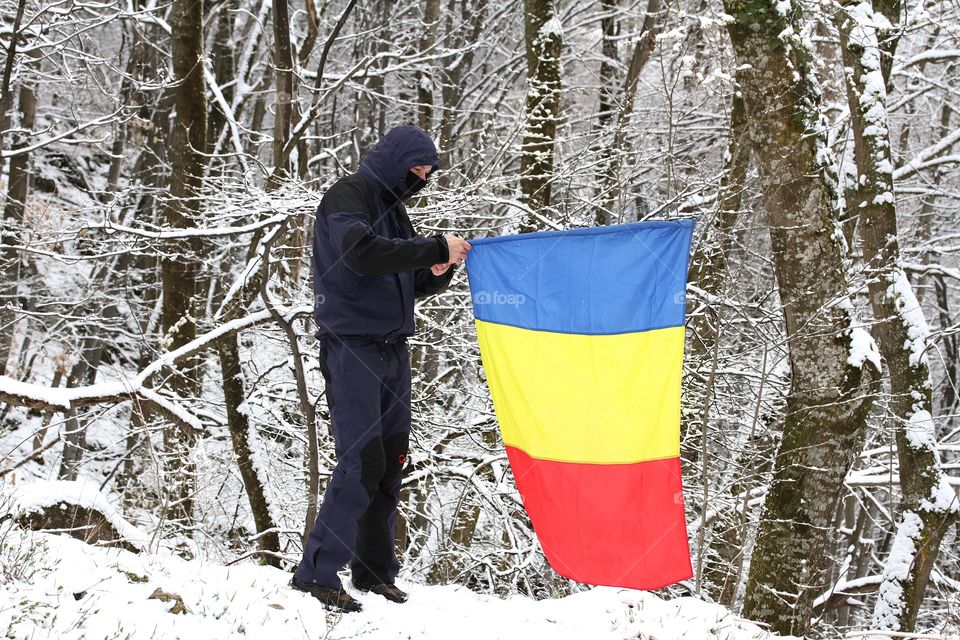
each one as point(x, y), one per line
point(389, 160)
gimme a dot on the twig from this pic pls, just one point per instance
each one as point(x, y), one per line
point(31, 457)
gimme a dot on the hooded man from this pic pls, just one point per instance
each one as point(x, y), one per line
point(368, 266)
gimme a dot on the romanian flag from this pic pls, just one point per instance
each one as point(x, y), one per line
point(581, 336)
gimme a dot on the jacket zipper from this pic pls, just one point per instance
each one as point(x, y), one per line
point(403, 306)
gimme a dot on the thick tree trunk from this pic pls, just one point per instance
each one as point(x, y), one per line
point(181, 267)
point(929, 505)
point(831, 387)
point(544, 42)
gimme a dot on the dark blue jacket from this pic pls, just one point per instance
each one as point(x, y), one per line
point(368, 262)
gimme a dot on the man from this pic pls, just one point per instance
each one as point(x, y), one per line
point(368, 266)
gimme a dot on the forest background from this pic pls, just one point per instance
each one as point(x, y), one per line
point(162, 162)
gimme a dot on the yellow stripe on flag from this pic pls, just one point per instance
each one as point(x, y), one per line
point(604, 399)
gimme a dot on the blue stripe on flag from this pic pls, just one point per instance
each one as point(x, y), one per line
point(598, 280)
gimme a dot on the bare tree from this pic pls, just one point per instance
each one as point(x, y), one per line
point(181, 270)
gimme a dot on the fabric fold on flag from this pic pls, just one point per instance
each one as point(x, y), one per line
point(581, 337)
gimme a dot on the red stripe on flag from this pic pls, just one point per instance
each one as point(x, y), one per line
point(620, 525)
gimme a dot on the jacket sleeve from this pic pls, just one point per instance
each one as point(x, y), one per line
point(427, 284)
point(370, 254)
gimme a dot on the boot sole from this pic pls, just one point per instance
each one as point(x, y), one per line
point(354, 607)
point(369, 589)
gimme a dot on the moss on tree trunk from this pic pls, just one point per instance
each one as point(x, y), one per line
point(829, 397)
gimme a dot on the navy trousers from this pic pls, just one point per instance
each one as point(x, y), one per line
point(368, 392)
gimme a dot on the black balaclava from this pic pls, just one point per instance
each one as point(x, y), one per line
point(388, 162)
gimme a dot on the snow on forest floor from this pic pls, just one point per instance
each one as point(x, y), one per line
point(81, 591)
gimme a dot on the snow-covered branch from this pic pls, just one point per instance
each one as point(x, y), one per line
point(41, 397)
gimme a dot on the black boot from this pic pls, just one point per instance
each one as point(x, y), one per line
point(332, 598)
point(388, 591)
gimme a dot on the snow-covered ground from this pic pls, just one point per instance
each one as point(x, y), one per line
point(80, 591)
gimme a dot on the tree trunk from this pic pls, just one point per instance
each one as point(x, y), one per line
point(928, 507)
point(370, 109)
point(463, 526)
point(83, 373)
point(431, 17)
point(313, 30)
point(240, 430)
point(223, 52)
point(181, 265)
point(831, 389)
point(544, 42)
point(13, 219)
point(927, 215)
point(608, 188)
point(609, 62)
point(6, 90)
point(452, 77)
point(127, 90)
point(74, 442)
point(283, 61)
point(149, 173)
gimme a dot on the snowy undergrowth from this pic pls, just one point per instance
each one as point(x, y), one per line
point(94, 592)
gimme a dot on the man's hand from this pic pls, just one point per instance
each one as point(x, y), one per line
point(458, 249)
point(439, 269)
